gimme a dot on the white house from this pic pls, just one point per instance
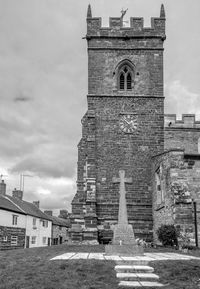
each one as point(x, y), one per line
point(22, 223)
point(38, 231)
point(38, 224)
point(12, 225)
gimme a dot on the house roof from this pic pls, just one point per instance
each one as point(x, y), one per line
point(28, 208)
point(59, 221)
point(7, 204)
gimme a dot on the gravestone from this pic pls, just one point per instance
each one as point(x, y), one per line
point(123, 242)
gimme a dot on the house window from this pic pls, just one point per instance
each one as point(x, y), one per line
point(44, 240)
point(14, 240)
point(45, 223)
point(14, 220)
point(34, 221)
point(5, 239)
point(33, 240)
point(125, 77)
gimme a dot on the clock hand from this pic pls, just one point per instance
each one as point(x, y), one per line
point(126, 121)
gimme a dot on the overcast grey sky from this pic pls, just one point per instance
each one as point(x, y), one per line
point(43, 84)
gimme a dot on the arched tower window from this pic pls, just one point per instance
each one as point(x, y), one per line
point(125, 75)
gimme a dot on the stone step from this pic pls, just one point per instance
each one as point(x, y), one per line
point(139, 284)
point(133, 269)
point(137, 276)
point(132, 262)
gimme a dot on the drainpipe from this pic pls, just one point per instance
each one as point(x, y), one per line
point(195, 223)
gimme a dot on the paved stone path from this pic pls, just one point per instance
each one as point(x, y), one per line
point(148, 257)
point(132, 272)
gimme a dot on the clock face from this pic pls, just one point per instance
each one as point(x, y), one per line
point(128, 123)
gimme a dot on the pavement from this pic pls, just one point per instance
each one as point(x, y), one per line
point(147, 257)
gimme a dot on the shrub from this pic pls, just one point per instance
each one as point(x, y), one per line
point(168, 235)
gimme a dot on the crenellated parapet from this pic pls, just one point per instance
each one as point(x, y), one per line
point(116, 28)
point(187, 121)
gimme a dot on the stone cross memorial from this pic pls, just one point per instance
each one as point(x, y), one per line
point(123, 242)
point(122, 215)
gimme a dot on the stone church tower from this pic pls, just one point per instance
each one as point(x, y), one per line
point(124, 124)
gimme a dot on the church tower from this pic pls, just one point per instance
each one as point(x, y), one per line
point(124, 124)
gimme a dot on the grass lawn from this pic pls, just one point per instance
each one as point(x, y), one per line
point(32, 268)
point(178, 274)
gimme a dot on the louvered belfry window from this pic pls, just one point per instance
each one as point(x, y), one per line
point(125, 78)
point(121, 81)
point(128, 81)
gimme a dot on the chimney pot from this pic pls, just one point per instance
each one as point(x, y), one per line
point(17, 194)
point(48, 212)
point(37, 204)
point(2, 188)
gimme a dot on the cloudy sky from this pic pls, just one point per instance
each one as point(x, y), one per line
point(43, 84)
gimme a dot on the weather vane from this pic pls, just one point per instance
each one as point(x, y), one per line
point(123, 12)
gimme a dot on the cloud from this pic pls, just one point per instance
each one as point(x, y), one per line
point(180, 100)
point(48, 163)
point(53, 196)
point(21, 98)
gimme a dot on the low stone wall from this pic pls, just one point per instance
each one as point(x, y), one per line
point(12, 238)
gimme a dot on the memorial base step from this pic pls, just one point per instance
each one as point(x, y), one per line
point(124, 250)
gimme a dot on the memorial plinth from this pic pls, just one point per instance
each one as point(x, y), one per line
point(123, 242)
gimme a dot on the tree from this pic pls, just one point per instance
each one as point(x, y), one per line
point(64, 214)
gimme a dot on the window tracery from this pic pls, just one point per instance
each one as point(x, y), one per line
point(125, 76)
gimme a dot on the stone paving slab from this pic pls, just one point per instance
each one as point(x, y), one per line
point(129, 276)
point(147, 275)
point(134, 268)
point(135, 284)
point(80, 256)
point(113, 257)
point(151, 284)
point(65, 256)
point(97, 256)
point(147, 257)
point(130, 284)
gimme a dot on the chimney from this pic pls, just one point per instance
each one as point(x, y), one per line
point(37, 204)
point(17, 194)
point(2, 188)
point(48, 212)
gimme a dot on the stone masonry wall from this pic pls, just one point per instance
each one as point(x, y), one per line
point(148, 70)
point(183, 134)
point(117, 150)
point(182, 183)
